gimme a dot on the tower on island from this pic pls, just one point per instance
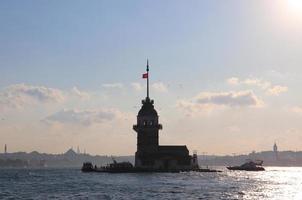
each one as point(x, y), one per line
point(150, 155)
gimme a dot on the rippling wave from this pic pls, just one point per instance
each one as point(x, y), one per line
point(274, 183)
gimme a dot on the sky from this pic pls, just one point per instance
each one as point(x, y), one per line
point(225, 76)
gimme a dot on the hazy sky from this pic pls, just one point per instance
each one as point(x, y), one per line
point(226, 76)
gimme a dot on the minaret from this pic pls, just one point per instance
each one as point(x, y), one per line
point(5, 149)
point(147, 129)
point(275, 148)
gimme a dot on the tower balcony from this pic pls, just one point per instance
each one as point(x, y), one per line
point(147, 127)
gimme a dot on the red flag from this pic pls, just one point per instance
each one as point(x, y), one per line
point(145, 75)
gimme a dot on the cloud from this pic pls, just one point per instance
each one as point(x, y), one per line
point(233, 129)
point(296, 109)
point(39, 93)
point(113, 85)
point(262, 84)
point(83, 95)
point(249, 81)
point(159, 87)
point(233, 81)
point(208, 101)
point(257, 82)
point(232, 99)
point(276, 90)
point(83, 117)
point(19, 95)
point(136, 86)
point(191, 107)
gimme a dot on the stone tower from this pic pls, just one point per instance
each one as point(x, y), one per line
point(151, 156)
point(147, 128)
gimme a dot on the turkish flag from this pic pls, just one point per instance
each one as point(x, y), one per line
point(145, 75)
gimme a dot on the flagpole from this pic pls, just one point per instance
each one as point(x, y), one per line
point(147, 79)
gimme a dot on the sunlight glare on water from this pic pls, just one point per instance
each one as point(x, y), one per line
point(280, 183)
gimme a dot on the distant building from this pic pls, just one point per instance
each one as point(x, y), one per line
point(78, 150)
point(5, 149)
point(70, 153)
point(275, 149)
point(151, 155)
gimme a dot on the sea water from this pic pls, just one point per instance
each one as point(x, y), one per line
point(274, 183)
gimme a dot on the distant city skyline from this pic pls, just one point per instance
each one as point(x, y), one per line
point(225, 76)
point(83, 151)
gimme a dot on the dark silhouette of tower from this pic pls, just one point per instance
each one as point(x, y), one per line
point(5, 149)
point(149, 154)
point(147, 128)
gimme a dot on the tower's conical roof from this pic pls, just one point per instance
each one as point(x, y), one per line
point(147, 108)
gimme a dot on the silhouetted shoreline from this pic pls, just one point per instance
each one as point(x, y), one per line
point(73, 159)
